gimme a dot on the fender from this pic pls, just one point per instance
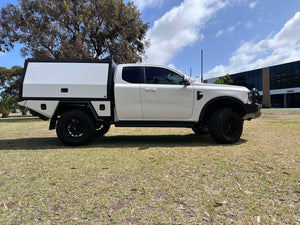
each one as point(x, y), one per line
point(219, 102)
point(65, 105)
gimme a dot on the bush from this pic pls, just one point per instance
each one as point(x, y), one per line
point(7, 104)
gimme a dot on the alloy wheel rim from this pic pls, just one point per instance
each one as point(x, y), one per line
point(75, 127)
point(229, 127)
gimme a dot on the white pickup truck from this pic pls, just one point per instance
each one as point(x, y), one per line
point(82, 98)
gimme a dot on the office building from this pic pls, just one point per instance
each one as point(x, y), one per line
point(279, 85)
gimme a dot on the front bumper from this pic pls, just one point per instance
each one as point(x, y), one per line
point(252, 111)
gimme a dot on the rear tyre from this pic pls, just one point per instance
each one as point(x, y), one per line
point(101, 129)
point(225, 126)
point(75, 127)
point(199, 130)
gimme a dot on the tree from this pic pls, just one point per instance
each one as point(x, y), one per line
point(10, 82)
point(7, 104)
point(5, 75)
point(11, 78)
point(224, 80)
point(74, 29)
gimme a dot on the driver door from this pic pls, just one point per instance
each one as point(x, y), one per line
point(164, 97)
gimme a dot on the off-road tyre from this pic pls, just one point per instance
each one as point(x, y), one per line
point(225, 126)
point(75, 127)
point(102, 129)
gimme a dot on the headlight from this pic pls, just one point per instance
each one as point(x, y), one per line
point(250, 97)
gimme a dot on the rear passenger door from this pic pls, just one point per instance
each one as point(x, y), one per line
point(164, 97)
point(127, 93)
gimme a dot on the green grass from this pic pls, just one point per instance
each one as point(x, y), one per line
point(151, 175)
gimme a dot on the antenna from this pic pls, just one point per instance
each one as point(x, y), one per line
point(191, 72)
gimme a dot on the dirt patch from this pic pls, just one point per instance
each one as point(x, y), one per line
point(281, 116)
point(122, 204)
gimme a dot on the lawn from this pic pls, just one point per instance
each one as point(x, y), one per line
point(151, 175)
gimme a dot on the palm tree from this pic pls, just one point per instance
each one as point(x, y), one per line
point(7, 103)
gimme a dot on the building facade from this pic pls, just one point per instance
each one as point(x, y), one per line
point(279, 85)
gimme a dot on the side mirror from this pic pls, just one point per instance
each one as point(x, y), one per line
point(186, 81)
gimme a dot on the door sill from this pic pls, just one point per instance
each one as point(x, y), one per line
point(154, 124)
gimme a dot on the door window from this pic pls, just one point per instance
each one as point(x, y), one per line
point(155, 75)
point(132, 74)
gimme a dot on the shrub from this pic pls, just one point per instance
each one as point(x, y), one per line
point(7, 104)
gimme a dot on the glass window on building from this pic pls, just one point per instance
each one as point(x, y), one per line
point(277, 101)
point(294, 100)
point(251, 79)
point(285, 76)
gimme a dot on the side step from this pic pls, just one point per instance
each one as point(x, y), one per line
point(154, 124)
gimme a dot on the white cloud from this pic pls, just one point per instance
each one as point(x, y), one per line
point(232, 28)
point(252, 5)
point(249, 25)
point(278, 48)
point(179, 28)
point(172, 66)
point(142, 4)
point(220, 32)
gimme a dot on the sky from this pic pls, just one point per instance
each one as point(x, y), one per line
point(235, 35)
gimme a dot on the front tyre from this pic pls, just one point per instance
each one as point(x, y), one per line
point(75, 127)
point(225, 126)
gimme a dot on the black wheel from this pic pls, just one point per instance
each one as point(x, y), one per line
point(75, 127)
point(200, 130)
point(225, 126)
point(102, 129)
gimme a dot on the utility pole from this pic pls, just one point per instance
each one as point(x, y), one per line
point(202, 66)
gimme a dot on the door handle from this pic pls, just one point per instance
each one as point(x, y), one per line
point(151, 89)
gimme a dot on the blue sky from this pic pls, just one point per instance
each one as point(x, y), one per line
point(236, 35)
